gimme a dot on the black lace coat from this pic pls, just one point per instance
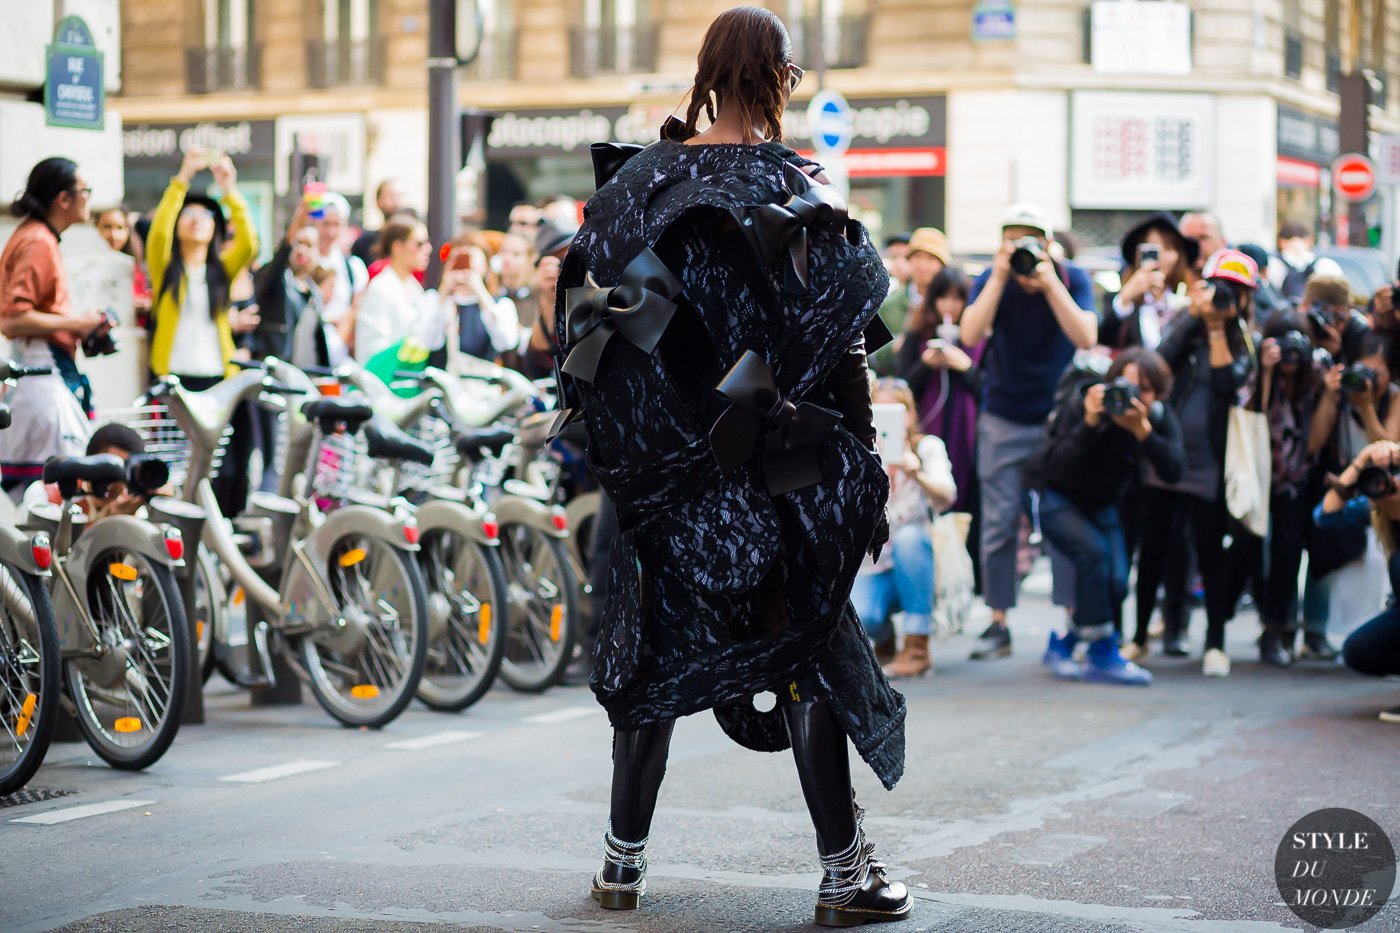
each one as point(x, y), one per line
point(720, 589)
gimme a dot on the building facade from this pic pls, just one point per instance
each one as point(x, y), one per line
point(1097, 109)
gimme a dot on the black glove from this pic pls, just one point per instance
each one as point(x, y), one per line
point(881, 536)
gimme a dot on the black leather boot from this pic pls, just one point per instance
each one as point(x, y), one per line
point(854, 889)
point(639, 764)
point(1271, 650)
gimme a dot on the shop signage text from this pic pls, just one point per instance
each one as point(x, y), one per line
point(168, 143)
point(1307, 137)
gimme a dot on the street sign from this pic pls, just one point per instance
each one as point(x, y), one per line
point(1388, 162)
point(74, 91)
point(830, 121)
point(993, 21)
point(1354, 177)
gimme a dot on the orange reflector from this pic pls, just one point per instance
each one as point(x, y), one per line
point(483, 624)
point(127, 724)
point(352, 557)
point(199, 631)
point(26, 715)
point(238, 596)
point(364, 691)
point(122, 571)
point(556, 622)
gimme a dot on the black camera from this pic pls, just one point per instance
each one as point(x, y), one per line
point(1224, 296)
point(1118, 396)
point(146, 474)
point(1294, 348)
point(1026, 255)
point(100, 342)
point(1357, 378)
point(1319, 317)
point(1148, 252)
point(1376, 482)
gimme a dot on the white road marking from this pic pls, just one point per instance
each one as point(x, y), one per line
point(262, 775)
point(432, 741)
point(568, 714)
point(78, 813)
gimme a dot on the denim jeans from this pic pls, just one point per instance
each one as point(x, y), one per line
point(1093, 542)
point(1374, 648)
point(908, 586)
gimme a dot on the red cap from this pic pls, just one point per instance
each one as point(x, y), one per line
point(1233, 266)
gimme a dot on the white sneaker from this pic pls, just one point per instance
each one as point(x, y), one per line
point(1216, 663)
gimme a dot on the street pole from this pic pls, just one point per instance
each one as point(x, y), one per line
point(1353, 118)
point(443, 158)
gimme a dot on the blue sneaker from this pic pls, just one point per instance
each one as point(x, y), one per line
point(1059, 658)
point(1105, 665)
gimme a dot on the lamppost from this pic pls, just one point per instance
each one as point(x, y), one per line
point(454, 39)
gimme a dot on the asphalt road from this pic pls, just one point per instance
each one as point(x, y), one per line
point(1027, 804)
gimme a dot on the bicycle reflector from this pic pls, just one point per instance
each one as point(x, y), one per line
point(174, 544)
point(43, 551)
point(410, 531)
point(483, 624)
point(127, 724)
point(559, 519)
point(364, 691)
point(491, 527)
point(556, 622)
point(124, 572)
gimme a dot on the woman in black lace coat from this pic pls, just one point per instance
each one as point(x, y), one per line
point(712, 316)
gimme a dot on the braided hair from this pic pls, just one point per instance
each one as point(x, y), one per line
point(742, 60)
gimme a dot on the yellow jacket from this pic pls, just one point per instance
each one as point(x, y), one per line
point(160, 242)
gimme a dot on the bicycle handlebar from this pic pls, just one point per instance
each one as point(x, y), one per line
point(12, 370)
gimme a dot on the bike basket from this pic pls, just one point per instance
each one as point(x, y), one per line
point(164, 438)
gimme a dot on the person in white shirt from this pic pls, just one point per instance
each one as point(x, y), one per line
point(1296, 263)
point(395, 308)
point(351, 276)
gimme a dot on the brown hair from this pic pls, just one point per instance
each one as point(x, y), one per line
point(1151, 367)
point(397, 228)
point(1328, 289)
point(742, 60)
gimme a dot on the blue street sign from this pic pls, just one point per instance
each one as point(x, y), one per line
point(74, 91)
point(993, 20)
point(830, 122)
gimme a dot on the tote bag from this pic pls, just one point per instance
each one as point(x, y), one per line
point(1248, 463)
point(952, 573)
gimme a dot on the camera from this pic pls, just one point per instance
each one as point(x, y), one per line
point(1118, 396)
point(100, 342)
point(1224, 296)
point(1317, 314)
point(1357, 378)
point(1294, 348)
point(1376, 482)
point(1148, 252)
point(145, 474)
point(1026, 254)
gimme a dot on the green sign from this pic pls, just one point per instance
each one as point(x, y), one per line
point(74, 95)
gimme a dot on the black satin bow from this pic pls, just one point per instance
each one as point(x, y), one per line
point(639, 307)
point(772, 229)
point(569, 406)
point(791, 433)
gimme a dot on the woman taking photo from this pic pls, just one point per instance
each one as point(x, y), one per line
point(398, 323)
point(50, 413)
point(486, 321)
point(1160, 265)
point(1209, 356)
point(732, 575)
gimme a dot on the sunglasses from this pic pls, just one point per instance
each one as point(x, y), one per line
point(795, 74)
point(197, 213)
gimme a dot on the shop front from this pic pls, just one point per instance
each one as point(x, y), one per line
point(1307, 145)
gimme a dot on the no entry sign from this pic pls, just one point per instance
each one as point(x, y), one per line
point(1354, 177)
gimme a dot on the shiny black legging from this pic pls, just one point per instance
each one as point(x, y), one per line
point(1162, 510)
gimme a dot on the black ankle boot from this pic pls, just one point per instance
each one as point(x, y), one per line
point(854, 889)
point(1271, 650)
point(639, 764)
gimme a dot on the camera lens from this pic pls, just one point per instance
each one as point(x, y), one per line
point(1023, 261)
point(1375, 482)
point(1223, 296)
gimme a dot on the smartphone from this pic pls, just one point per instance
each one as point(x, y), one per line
point(936, 344)
point(889, 420)
point(1148, 252)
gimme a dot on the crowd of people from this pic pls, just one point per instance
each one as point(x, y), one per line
point(1096, 425)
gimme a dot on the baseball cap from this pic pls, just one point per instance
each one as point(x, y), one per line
point(1028, 215)
point(931, 240)
point(1232, 266)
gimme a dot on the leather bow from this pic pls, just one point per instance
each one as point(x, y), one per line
point(639, 307)
point(772, 229)
point(791, 433)
point(569, 406)
point(608, 158)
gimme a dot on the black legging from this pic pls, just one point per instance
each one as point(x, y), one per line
point(1162, 510)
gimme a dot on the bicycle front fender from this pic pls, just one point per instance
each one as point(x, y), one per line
point(457, 517)
point(307, 577)
point(518, 510)
point(114, 532)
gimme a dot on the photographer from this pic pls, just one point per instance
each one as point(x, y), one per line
point(1357, 405)
point(1037, 312)
point(1091, 455)
point(1210, 362)
point(1366, 493)
point(1160, 265)
point(1335, 326)
point(1288, 389)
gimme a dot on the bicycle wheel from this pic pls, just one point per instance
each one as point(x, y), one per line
point(31, 672)
point(130, 698)
point(365, 666)
point(467, 600)
point(210, 597)
point(544, 609)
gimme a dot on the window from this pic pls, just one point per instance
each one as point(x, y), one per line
point(614, 36)
point(1332, 41)
point(832, 32)
point(1293, 39)
point(497, 56)
point(228, 59)
point(350, 50)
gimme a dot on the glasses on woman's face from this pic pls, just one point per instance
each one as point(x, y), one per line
point(196, 213)
point(794, 73)
point(84, 191)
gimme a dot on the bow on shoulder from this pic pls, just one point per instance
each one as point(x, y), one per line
point(791, 433)
point(774, 229)
point(639, 307)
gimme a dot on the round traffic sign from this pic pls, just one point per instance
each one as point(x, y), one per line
point(830, 122)
point(1354, 177)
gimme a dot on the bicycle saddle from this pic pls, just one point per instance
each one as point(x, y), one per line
point(99, 470)
point(386, 441)
point(493, 440)
point(333, 410)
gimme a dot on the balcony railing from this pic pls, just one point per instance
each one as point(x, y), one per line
point(843, 41)
point(222, 68)
point(612, 51)
point(496, 61)
point(1293, 54)
point(339, 62)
